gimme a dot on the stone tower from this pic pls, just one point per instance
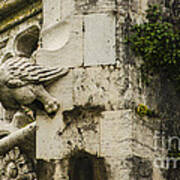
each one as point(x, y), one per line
point(96, 134)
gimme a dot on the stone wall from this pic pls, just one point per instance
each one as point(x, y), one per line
point(97, 133)
point(102, 90)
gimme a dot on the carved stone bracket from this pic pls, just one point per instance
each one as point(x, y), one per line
point(16, 165)
point(17, 152)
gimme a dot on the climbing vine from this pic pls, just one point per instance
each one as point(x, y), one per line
point(157, 41)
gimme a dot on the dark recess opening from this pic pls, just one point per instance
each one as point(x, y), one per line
point(26, 42)
point(84, 166)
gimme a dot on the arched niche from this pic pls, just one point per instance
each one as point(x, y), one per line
point(84, 166)
point(27, 41)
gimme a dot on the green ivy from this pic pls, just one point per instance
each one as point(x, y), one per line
point(157, 41)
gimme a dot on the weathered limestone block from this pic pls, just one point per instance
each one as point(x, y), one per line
point(24, 82)
point(67, 8)
point(81, 132)
point(116, 133)
point(140, 128)
point(63, 90)
point(145, 141)
point(18, 11)
point(45, 169)
point(94, 6)
point(104, 86)
point(18, 137)
point(83, 165)
point(63, 43)
point(143, 144)
point(118, 168)
point(157, 174)
point(99, 39)
point(51, 13)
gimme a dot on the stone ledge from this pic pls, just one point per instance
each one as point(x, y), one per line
point(13, 12)
point(10, 6)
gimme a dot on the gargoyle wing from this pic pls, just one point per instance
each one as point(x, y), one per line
point(21, 72)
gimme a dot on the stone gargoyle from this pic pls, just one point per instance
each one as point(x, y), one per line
point(21, 83)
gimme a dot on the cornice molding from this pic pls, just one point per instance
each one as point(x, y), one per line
point(13, 12)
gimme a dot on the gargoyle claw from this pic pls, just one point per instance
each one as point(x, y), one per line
point(52, 107)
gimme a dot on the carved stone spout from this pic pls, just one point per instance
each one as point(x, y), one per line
point(21, 83)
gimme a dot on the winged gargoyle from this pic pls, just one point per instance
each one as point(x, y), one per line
point(21, 83)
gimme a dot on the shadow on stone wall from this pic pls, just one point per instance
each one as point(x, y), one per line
point(84, 166)
point(141, 168)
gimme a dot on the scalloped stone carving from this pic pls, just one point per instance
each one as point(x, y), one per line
point(14, 165)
